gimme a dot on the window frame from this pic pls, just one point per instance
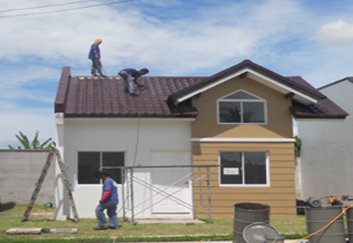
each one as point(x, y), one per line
point(101, 152)
point(267, 161)
point(242, 101)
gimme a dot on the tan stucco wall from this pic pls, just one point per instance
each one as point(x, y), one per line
point(280, 194)
point(279, 118)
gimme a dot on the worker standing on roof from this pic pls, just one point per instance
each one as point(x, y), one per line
point(130, 77)
point(95, 56)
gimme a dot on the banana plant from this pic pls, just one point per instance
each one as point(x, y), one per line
point(35, 144)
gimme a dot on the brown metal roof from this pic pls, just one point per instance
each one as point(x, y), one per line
point(324, 108)
point(87, 96)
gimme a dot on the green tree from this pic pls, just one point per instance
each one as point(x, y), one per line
point(35, 144)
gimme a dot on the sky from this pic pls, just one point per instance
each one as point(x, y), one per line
point(308, 38)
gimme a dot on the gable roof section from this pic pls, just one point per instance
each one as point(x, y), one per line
point(255, 72)
point(308, 102)
point(87, 96)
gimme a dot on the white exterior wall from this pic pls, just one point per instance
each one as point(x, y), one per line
point(327, 149)
point(116, 135)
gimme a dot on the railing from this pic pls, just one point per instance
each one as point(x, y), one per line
point(198, 180)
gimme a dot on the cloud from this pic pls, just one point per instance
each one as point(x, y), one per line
point(27, 121)
point(338, 32)
point(199, 37)
point(170, 45)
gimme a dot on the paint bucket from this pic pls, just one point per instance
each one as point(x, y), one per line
point(274, 239)
point(317, 218)
point(248, 213)
point(349, 215)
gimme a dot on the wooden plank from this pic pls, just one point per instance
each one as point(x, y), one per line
point(63, 231)
point(20, 231)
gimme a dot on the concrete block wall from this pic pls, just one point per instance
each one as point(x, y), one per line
point(19, 173)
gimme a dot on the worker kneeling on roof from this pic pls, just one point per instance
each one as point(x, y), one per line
point(130, 77)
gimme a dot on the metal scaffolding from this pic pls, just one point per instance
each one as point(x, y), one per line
point(198, 178)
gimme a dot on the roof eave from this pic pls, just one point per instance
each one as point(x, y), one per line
point(174, 115)
point(62, 90)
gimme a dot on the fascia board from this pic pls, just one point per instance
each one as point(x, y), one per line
point(243, 140)
point(280, 87)
point(259, 78)
point(318, 119)
point(127, 119)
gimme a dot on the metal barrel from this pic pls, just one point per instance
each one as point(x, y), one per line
point(317, 218)
point(349, 215)
point(248, 213)
point(274, 239)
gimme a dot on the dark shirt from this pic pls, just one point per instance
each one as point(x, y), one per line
point(133, 72)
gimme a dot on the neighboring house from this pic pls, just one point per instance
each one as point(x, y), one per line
point(325, 165)
point(240, 119)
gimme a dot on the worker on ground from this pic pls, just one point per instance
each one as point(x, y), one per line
point(109, 202)
point(130, 77)
point(95, 56)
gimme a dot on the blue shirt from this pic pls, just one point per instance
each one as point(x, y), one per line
point(133, 72)
point(91, 53)
point(110, 185)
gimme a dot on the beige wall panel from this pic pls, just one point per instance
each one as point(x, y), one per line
point(243, 190)
point(282, 164)
point(278, 203)
point(279, 118)
point(210, 148)
point(281, 170)
point(249, 196)
point(288, 178)
point(274, 208)
point(274, 163)
point(274, 184)
point(228, 216)
point(242, 145)
point(280, 195)
point(227, 212)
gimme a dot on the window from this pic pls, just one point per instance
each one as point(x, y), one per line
point(90, 162)
point(241, 108)
point(243, 168)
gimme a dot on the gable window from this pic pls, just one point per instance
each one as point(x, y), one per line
point(91, 162)
point(241, 108)
point(243, 168)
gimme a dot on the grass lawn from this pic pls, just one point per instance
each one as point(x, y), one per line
point(42, 217)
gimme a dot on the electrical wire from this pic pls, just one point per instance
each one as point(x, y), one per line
point(138, 124)
point(64, 10)
point(45, 6)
